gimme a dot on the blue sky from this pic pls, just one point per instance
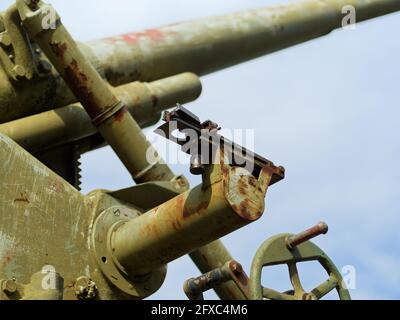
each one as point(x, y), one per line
point(327, 110)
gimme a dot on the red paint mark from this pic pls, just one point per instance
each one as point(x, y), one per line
point(131, 38)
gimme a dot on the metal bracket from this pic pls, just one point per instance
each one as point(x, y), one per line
point(20, 58)
point(202, 142)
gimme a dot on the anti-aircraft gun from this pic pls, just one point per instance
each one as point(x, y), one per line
point(60, 99)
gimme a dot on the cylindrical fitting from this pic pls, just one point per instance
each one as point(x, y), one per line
point(9, 286)
point(187, 222)
point(195, 287)
point(212, 256)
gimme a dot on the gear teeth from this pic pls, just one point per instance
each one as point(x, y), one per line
point(77, 169)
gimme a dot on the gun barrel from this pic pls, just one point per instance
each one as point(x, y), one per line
point(212, 44)
point(144, 101)
point(201, 47)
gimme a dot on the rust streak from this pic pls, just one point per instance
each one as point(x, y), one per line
point(154, 100)
point(78, 82)
point(242, 187)
point(25, 200)
point(59, 49)
point(119, 115)
point(244, 210)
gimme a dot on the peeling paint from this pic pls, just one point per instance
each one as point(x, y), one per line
point(7, 245)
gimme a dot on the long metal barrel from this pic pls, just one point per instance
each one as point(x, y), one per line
point(201, 47)
point(212, 44)
point(144, 101)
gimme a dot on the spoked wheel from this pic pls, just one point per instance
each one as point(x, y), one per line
point(286, 249)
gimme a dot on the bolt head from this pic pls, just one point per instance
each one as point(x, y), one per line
point(32, 3)
point(81, 282)
point(5, 40)
point(19, 71)
point(85, 288)
point(9, 286)
point(236, 268)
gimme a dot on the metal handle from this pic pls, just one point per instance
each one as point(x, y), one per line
point(295, 240)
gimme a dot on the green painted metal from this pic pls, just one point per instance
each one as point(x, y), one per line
point(71, 124)
point(189, 221)
point(202, 47)
point(57, 101)
point(106, 111)
point(213, 256)
point(275, 251)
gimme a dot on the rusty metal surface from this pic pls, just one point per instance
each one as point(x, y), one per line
point(116, 244)
point(201, 46)
point(195, 287)
point(189, 221)
point(212, 44)
point(109, 114)
point(213, 256)
point(230, 271)
point(35, 198)
point(207, 142)
point(315, 231)
point(71, 123)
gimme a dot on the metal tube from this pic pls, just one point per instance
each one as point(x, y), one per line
point(295, 240)
point(112, 118)
point(201, 46)
point(187, 222)
point(144, 101)
point(212, 44)
point(214, 256)
point(195, 287)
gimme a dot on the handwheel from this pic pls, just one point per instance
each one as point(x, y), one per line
point(290, 250)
